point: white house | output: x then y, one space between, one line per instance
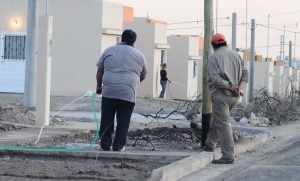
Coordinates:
263 76
287 80
152 41
183 70
278 80
81 31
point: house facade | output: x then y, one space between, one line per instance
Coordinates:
183 70
81 31
152 41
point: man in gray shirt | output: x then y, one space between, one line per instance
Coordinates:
227 77
120 69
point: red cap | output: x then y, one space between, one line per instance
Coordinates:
218 38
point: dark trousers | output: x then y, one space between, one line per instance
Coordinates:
109 108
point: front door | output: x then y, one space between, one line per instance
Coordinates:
12 62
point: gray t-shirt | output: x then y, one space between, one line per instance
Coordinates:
123 65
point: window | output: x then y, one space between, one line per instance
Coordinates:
14 47
163 56
195 70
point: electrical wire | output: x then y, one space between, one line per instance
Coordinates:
275 28
197 27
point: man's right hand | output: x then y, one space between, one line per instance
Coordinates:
236 90
99 90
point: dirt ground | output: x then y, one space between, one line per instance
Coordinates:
165 137
40 168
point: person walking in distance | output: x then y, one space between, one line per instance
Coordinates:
227 77
120 69
163 80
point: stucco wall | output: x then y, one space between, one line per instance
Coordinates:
112 15
287 73
108 41
145 43
200 73
11 10
178 66
278 80
76 45
263 76
191 81
160 33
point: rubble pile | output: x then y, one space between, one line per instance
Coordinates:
15 114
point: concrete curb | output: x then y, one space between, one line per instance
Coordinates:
181 168
160 157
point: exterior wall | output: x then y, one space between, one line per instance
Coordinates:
160 34
263 76
11 10
200 73
244 99
297 78
76 46
112 16
178 66
191 81
150 34
278 80
108 41
145 43
287 74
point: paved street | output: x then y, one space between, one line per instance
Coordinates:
278 160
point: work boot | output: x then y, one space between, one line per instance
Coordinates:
223 161
208 149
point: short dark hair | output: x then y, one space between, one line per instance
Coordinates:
129 37
216 46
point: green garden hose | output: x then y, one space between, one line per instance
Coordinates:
90 147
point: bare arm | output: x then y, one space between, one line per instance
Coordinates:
99 77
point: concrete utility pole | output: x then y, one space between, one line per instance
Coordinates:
268 39
290 53
206 104
31 50
295 38
233 40
283 43
246 25
251 95
281 47
217 11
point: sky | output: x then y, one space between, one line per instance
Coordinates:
282 13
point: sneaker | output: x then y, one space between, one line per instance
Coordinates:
208 149
121 150
223 161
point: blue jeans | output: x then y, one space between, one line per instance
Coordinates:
163 84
